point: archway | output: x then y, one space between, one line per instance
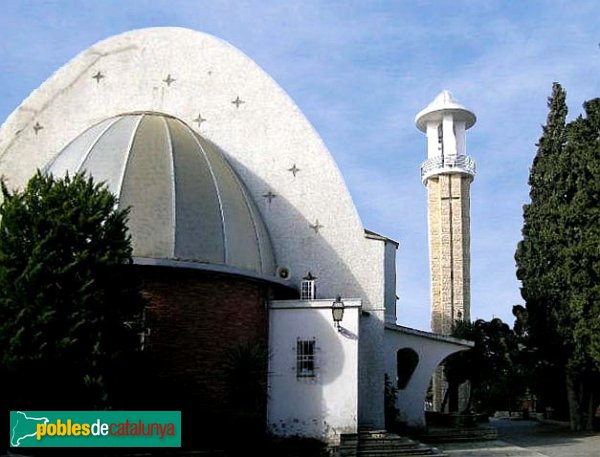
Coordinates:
407 360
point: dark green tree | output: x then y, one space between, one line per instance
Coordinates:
558 260
458 367
245 369
390 395
69 308
491 366
543 375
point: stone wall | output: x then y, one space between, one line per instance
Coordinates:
449 248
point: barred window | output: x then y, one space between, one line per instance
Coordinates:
305 358
308 287
307 291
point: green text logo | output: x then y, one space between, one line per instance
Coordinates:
95 428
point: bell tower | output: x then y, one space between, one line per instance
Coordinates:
447 173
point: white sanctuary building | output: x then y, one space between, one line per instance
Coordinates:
229 182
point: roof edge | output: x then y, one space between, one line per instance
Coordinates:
371 235
430 335
214 268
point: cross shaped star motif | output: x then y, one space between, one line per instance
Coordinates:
270 196
294 170
450 198
199 120
316 226
169 79
238 101
98 76
37 127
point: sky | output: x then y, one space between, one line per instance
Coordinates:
360 71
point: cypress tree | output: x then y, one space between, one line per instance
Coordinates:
558 260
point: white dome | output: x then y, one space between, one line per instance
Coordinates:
186 201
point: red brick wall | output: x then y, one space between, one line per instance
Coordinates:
194 317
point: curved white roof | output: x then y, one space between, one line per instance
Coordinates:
186 201
444 103
230 102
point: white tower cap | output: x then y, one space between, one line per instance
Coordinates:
444 103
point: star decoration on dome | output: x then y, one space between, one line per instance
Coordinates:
294 170
98 76
199 120
238 101
169 80
316 226
270 196
37 127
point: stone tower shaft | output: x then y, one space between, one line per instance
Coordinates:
447 173
449 240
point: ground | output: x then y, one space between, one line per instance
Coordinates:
530 439
516 439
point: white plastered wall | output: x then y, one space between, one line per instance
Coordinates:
326 405
432 349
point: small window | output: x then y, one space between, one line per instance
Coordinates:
308 289
305 358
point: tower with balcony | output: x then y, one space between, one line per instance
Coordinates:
447 173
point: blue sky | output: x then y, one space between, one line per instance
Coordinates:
360 71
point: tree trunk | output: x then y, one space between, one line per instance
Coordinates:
589 423
470 398
445 400
581 402
453 397
573 397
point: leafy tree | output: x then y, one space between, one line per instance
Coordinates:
458 367
491 366
558 260
245 366
68 304
543 376
390 395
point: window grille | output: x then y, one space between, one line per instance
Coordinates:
305 358
308 288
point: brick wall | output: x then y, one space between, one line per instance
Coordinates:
194 318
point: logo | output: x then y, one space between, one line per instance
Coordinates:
95 429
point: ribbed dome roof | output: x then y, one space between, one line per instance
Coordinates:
187 203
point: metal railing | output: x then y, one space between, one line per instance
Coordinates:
448 164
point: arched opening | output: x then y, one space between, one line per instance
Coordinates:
406 363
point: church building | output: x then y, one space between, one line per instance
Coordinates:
242 226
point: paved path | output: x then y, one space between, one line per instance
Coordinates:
530 439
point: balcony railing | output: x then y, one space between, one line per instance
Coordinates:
447 164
